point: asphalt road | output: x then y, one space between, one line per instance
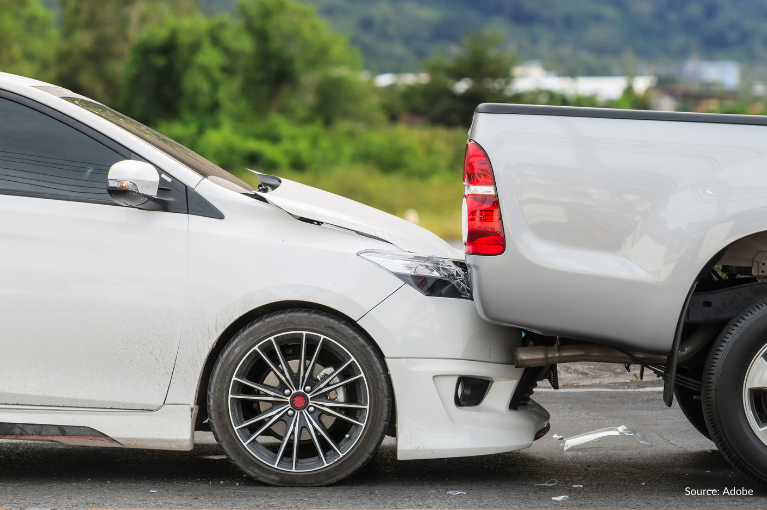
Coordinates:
616 472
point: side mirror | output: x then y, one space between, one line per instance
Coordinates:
132 183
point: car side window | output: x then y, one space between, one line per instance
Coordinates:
40 156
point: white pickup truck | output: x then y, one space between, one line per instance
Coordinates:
629 237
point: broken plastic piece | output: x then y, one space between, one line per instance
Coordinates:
455 493
213 457
548 483
152 491
577 485
580 439
558 437
559 498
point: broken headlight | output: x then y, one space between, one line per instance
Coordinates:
432 276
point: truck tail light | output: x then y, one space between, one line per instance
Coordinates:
482 226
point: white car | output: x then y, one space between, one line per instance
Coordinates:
146 293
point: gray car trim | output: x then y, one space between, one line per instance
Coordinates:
611 113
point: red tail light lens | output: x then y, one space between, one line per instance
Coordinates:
476 167
482 226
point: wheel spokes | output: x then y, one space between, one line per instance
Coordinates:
269 390
269 424
296 439
321 431
285 366
330 377
276 370
288 433
331 388
333 403
310 368
262 416
317 444
261 398
339 415
302 362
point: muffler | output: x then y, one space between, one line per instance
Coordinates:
540 356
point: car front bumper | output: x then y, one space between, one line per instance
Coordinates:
428 344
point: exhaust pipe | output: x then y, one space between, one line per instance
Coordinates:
540 356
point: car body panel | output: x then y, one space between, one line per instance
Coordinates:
91 303
430 425
312 203
429 343
408 326
609 221
166 428
261 255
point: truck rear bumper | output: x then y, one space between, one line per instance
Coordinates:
430 425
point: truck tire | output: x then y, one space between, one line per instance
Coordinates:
692 409
734 392
300 398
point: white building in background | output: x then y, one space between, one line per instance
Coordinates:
530 76
713 73
389 79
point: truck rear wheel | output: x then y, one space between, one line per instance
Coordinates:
734 392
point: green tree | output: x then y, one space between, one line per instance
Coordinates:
97 36
27 33
270 57
297 66
478 72
184 70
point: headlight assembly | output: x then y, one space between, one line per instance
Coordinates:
432 276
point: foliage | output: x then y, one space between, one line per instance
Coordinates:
477 72
97 36
27 33
268 57
584 37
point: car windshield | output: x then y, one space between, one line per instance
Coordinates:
172 148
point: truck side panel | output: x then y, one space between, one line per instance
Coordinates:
609 221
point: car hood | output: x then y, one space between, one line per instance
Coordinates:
317 205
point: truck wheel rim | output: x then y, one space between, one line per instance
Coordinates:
320 404
755 395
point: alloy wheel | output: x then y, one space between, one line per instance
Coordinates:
298 401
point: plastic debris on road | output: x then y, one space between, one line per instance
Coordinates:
559 498
455 493
558 437
594 435
152 491
213 457
577 485
547 483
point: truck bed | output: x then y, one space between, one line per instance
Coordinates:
609 216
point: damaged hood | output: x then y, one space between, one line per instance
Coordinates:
314 204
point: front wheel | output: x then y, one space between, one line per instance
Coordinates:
299 398
735 392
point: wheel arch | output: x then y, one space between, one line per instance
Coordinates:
242 321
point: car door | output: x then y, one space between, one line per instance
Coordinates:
91 293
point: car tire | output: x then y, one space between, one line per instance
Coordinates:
732 404
692 409
255 407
